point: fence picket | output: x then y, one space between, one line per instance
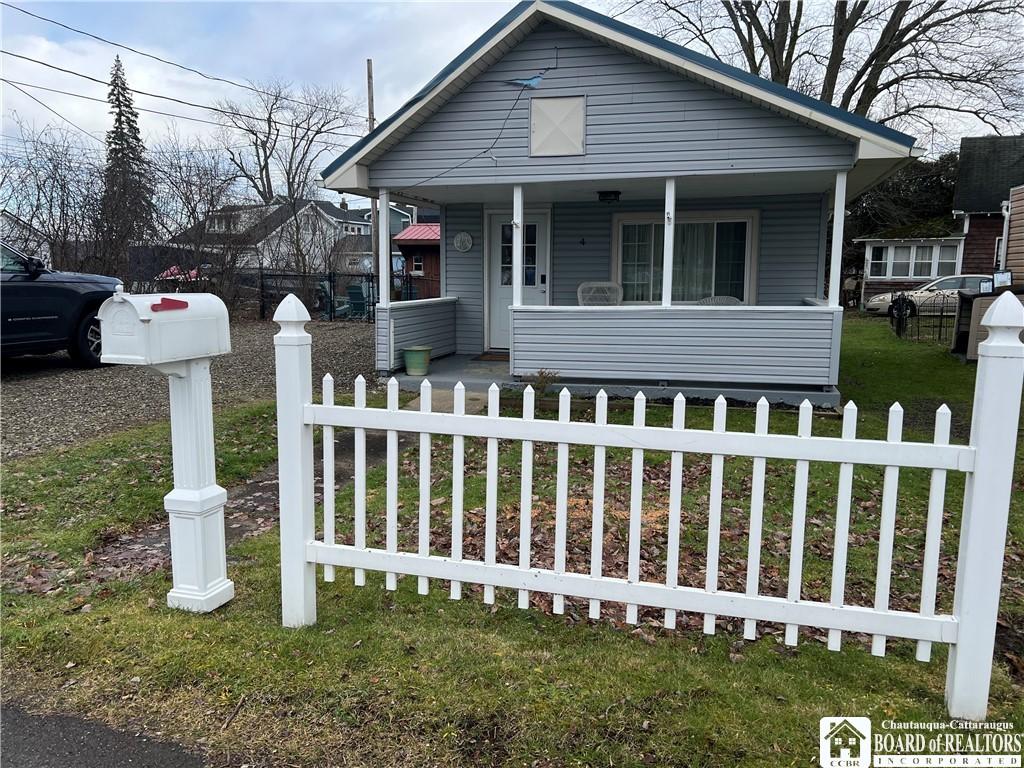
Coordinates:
597 514
933 531
986 463
636 502
675 501
844 495
561 499
714 513
458 468
526 497
796 549
359 480
887 527
424 517
328 399
491 497
756 516
391 513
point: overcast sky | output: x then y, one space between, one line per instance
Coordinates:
321 43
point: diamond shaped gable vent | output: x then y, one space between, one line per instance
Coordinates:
556 126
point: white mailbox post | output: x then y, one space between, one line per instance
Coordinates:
177 335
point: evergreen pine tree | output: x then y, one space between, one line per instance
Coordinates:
127 205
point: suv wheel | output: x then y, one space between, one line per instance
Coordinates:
85 346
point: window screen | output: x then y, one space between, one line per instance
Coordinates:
557 126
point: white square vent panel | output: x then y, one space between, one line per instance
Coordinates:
557 126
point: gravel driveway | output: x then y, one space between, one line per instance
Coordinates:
47 402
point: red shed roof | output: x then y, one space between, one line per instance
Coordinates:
419 233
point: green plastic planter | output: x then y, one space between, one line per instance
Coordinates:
417 360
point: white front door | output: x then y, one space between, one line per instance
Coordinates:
535 271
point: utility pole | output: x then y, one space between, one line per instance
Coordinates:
374 223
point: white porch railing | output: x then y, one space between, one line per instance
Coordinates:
987 463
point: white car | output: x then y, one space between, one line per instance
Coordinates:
938 296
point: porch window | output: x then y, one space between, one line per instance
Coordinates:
879 261
918 261
923 261
711 258
901 261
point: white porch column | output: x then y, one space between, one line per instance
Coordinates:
517 245
384 248
838 219
670 238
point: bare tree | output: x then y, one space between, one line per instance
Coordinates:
914 64
279 139
53 182
193 179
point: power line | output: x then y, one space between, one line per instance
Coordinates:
184 67
30 142
228 112
323 142
51 109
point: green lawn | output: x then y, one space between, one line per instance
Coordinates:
399 679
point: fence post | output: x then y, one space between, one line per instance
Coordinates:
997 394
294 371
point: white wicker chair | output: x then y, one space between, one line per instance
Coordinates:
719 301
599 294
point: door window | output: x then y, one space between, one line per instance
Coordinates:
529 255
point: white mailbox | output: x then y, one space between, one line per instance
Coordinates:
150 329
178 335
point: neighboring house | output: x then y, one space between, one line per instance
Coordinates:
989 167
24 237
590 151
353 254
284 235
902 258
1012 257
420 245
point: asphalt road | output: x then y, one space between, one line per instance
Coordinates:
56 741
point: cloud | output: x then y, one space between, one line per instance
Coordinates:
325 44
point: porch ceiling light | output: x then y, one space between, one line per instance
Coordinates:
609 196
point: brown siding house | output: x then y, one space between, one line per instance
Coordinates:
989 167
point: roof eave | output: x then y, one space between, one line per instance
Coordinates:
350 172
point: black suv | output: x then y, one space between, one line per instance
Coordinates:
45 311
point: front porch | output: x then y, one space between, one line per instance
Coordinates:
510 276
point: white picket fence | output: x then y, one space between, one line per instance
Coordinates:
987 463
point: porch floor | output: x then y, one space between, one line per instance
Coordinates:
477 375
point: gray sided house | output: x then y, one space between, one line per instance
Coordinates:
572 155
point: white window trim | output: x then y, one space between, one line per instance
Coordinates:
891 245
752 217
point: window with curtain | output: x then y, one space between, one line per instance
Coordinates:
710 258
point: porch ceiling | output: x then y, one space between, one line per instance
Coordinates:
718 185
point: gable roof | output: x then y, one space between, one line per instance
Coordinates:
277 214
989 166
419 233
527 15
939 228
